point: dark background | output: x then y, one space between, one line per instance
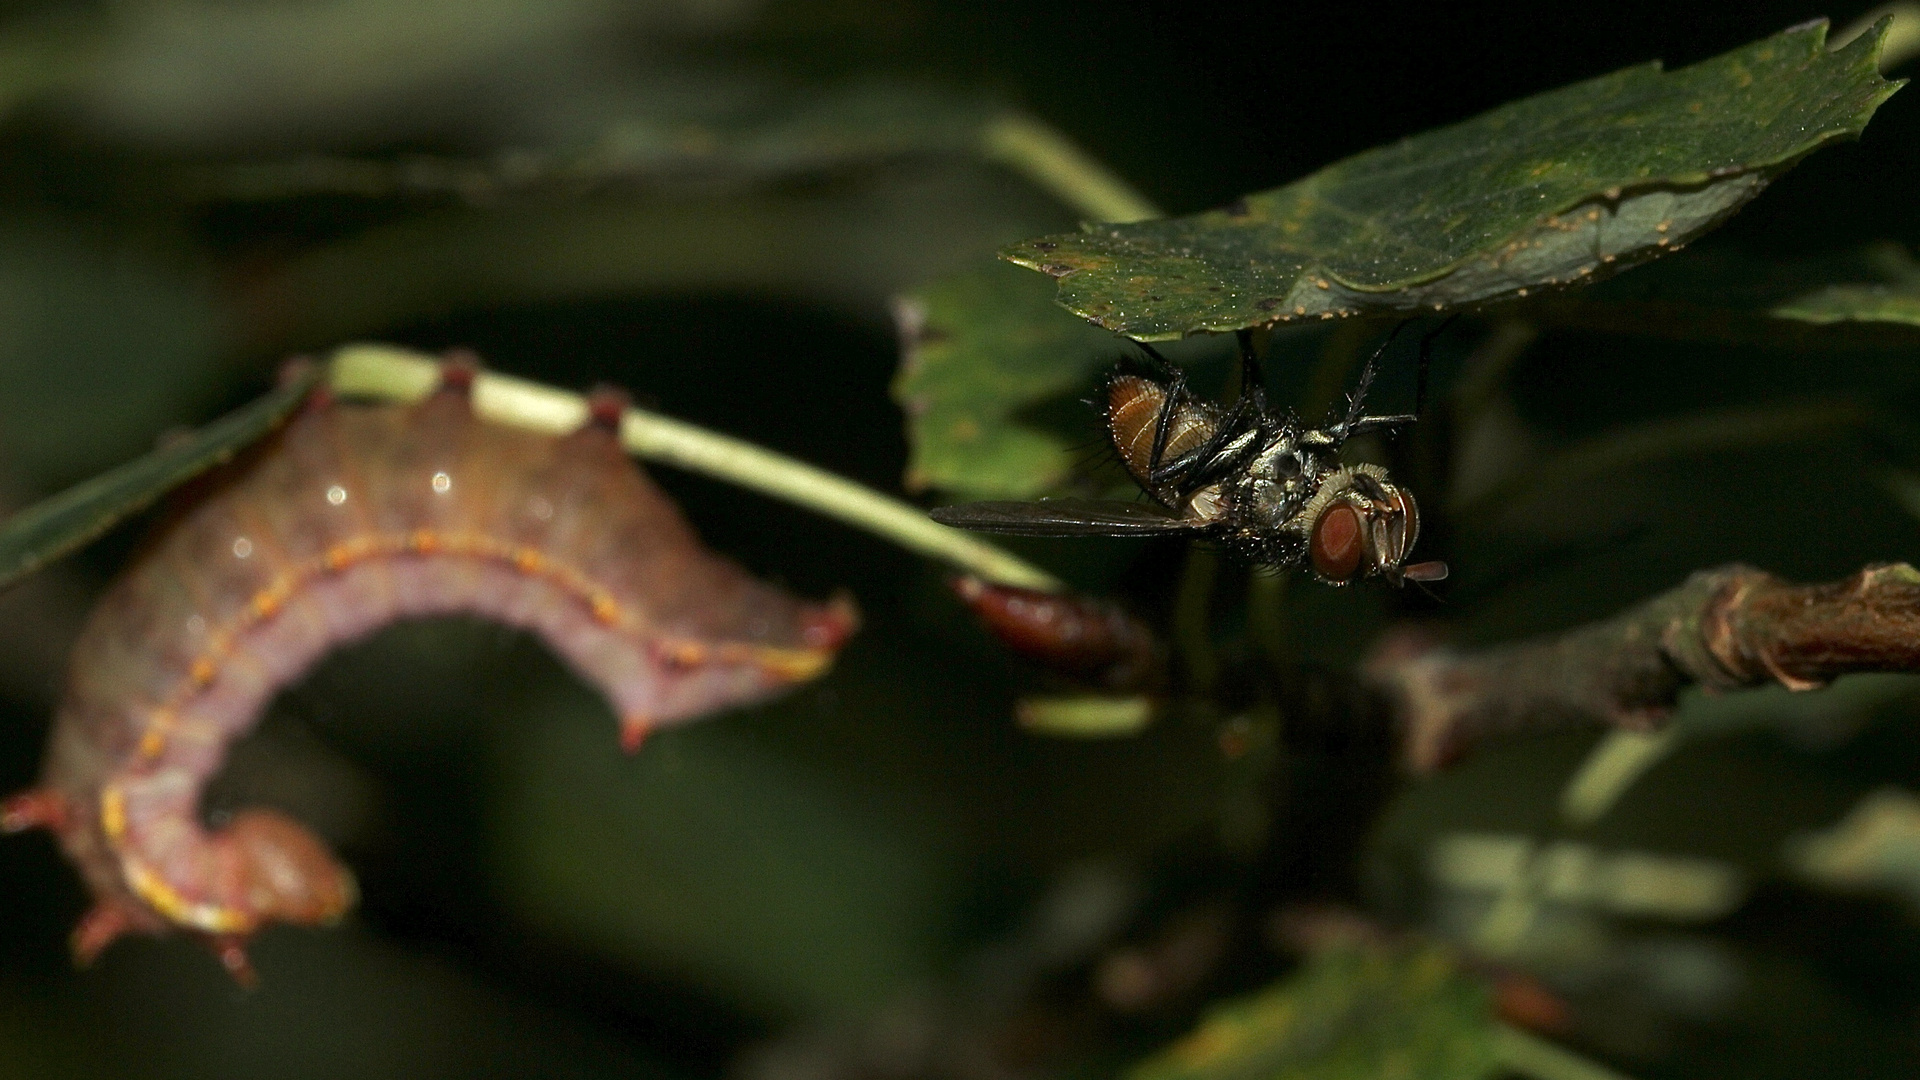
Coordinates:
535 903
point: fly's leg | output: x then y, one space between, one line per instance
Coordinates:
1176 392
1355 423
1237 434
1347 427
1253 383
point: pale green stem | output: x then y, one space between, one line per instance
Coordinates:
385 371
1511 916
1051 161
1530 1055
1614 764
1085 716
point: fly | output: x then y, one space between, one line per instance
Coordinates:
1244 474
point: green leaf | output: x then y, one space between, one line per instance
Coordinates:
1350 1013
66 522
978 347
1552 190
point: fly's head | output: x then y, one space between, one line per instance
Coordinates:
1359 524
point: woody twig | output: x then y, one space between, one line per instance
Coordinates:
1726 628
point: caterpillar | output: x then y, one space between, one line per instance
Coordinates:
350 517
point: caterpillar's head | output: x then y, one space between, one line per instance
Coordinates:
281 872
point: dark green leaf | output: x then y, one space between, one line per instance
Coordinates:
44 532
1350 1013
1552 190
978 347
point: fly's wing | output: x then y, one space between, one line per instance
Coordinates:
1062 517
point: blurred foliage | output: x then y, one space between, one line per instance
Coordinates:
685 130
979 346
611 854
1876 846
716 203
1353 1011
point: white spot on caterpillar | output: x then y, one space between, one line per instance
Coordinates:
196 625
442 483
242 547
336 494
540 508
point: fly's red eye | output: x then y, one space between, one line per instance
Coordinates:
1336 545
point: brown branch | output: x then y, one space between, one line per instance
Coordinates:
1725 628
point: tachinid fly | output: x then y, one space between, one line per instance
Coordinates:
1257 480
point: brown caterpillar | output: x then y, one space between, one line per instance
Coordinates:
350 517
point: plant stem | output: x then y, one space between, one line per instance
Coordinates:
385 371
1085 716
1726 628
1050 160
1611 767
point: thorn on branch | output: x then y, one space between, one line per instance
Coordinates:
1724 629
